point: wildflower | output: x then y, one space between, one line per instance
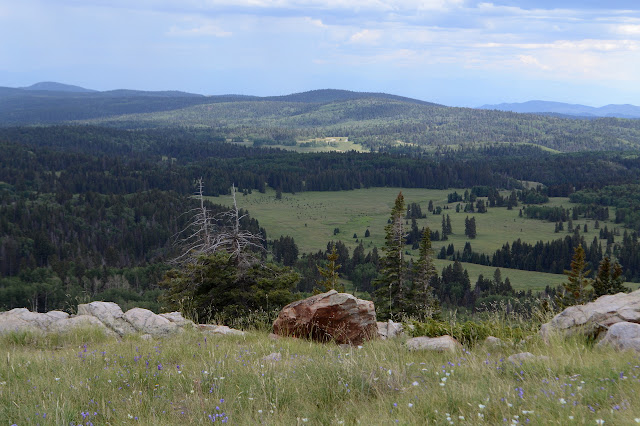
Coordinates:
480 416
260 411
409 405
527 411
481 406
415 383
57 379
562 401
599 421
570 417
461 417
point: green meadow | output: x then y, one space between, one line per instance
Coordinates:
312 217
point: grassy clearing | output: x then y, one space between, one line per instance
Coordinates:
329 144
195 379
311 217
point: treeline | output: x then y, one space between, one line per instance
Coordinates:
626 199
66 160
58 247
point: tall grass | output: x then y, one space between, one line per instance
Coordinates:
88 378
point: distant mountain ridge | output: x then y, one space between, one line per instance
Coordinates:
52 86
541 107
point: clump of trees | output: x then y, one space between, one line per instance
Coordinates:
401 291
221 272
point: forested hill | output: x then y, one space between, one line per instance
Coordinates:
378 121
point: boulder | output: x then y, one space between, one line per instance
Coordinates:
494 342
389 329
221 330
109 314
273 357
623 335
596 317
146 322
78 321
526 356
178 319
331 316
438 344
21 319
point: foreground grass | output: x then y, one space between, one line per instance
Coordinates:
86 378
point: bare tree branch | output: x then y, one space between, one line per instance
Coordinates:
207 234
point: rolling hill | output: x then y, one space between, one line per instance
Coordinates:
377 121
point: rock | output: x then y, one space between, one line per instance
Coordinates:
145 321
330 316
596 317
439 344
178 319
389 329
526 356
222 330
623 335
494 342
273 357
109 314
21 319
79 321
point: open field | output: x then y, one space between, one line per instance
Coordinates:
311 217
89 379
328 144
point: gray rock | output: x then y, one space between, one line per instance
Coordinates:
596 317
623 335
439 344
221 330
389 329
78 321
526 356
146 322
273 357
21 319
178 319
109 314
494 342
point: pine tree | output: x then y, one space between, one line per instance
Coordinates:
575 292
329 274
422 301
609 280
390 293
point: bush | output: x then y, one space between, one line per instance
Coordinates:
216 288
467 333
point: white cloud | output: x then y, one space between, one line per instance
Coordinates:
365 37
628 29
532 61
206 29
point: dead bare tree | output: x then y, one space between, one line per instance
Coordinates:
207 234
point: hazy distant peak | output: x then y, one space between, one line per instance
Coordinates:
52 86
533 107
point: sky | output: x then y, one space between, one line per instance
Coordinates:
453 52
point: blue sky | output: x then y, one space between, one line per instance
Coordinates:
454 52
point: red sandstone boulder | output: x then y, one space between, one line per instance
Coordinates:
330 316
